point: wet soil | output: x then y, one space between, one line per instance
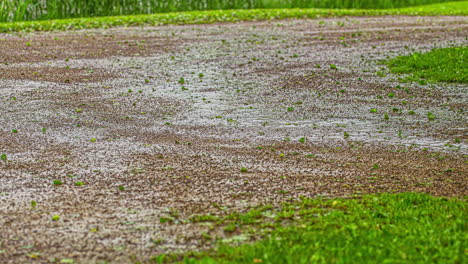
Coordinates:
51 74
159 121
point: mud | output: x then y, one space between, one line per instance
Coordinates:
61 75
159 121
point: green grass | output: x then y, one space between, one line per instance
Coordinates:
383 228
28 10
199 17
445 65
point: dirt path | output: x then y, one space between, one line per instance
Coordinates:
159 121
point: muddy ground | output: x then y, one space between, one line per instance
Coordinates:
158 120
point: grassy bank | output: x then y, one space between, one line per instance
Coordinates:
446 65
29 10
199 17
384 228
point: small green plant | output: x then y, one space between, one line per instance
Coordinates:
431 116
244 169
231 227
381 74
14 131
57 182
386 117
391 95
79 183
33 204
166 219
93 140
302 140
55 218
333 67
3 157
373 110
290 109
181 81
346 135
121 188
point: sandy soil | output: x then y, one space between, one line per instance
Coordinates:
159 120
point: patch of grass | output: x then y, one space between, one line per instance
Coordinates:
212 16
445 65
383 228
16 10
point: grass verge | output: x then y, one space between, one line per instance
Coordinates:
29 10
445 65
383 228
199 17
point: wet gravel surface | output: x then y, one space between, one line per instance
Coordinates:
141 123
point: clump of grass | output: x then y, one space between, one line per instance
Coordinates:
445 65
431 116
79 183
57 182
